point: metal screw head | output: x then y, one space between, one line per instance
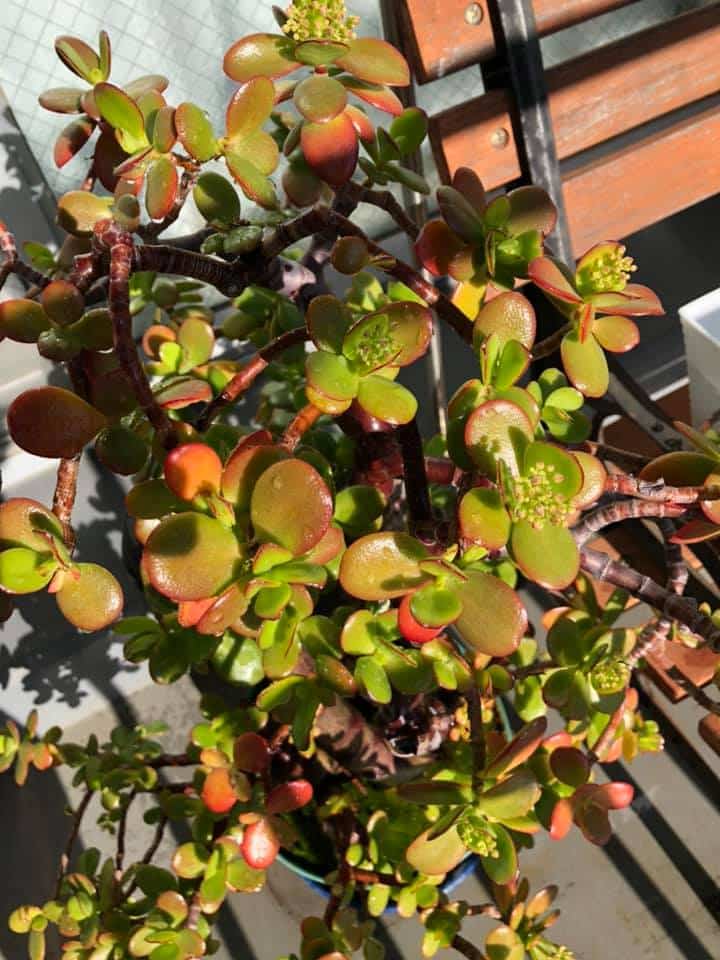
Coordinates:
474 14
500 138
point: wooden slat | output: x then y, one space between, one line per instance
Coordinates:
709 728
442 41
645 182
591 99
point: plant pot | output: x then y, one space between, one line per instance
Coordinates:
700 321
316 880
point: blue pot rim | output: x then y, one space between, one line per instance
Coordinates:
316 882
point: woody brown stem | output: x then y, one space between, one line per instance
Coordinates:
383 200
619 511
466 948
121 260
415 476
64 497
657 490
550 344
66 857
299 425
245 377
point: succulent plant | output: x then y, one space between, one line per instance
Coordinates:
353 591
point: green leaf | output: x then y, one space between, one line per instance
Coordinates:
494 620
162 185
90 597
503 943
23 320
123 114
259 55
435 606
376 61
291 505
502 868
409 130
373 679
585 364
548 556
80 58
238 660
319 98
255 185
216 199
565 474
511 798
483 518
388 401
195 132
357 507
436 855
79 210
381 566
497 430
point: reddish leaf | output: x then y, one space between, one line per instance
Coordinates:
411 629
377 95
260 844
331 149
218 793
561 819
90 597
51 422
191 612
249 107
289 796
436 247
192 470
183 392
251 753
376 61
71 140
362 123
546 273
259 55
162 186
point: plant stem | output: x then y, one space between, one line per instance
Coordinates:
384 200
657 490
244 379
466 948
550 344
415 476
621 510
682 609
623 458
78 814
122 828
299 425
64 497
121 259
607 737
477 732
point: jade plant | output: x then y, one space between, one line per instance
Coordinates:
350 592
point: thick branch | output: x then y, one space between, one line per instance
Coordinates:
466 948
550 344
383 200
608 735
621 510
416 484
299 425
657 490
64 497
121 258
67 852
682 609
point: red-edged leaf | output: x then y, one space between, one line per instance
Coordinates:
561 819
62 100
195 132
362 123
259 55
251 753
546 273
289 796
319 98
376 61
436 247
71 140
331 149
585 364
260 844
377 95
616 334
192 470
218 793
249 107
183 392
634 301
162 186
51 422
510 315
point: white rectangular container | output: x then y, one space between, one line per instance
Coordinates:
700 320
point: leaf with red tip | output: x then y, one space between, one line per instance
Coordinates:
522 746
62 100
510 315
469 184
381 566
23 320
218 793
320 98
531 209
680 468
21 521
52 422
497 430
331 149
162 186
635 300
436 247
193 469
248 461
259 55
289 796
123 114
291 505
410 627
362 123
547 274
377 95
613 796
260 844
90 597
376 61
251 753
79 57
561 819
191 612
493 620
570 765
616 334
71 140
183 392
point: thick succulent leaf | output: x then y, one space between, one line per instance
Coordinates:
255 185
259 55
197 340
547 274
291 505
510 316
25 571
469 184
164 134
503 943
331 148
483 518
21 519
493 621
192 470
319 53
376 61
548 556
436 247
195 132
121 450
79 211
362 123
151 500
436 855
522 746
162 186
594 477
190 556
123 114
570 765
249 108
328 320
62 99
23 320
90 597
502 868
260 844
435 606
681 468
634 300
566 474
469 295
242 470
399 332
497 430
381 566
216 199
512 364
409 130
52 422
386 400
80 58
376 94
320 98
585 364
183 392
460 215
71 140
616 334
531 209
511 798
331 376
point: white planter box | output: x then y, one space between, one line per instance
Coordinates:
700 320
